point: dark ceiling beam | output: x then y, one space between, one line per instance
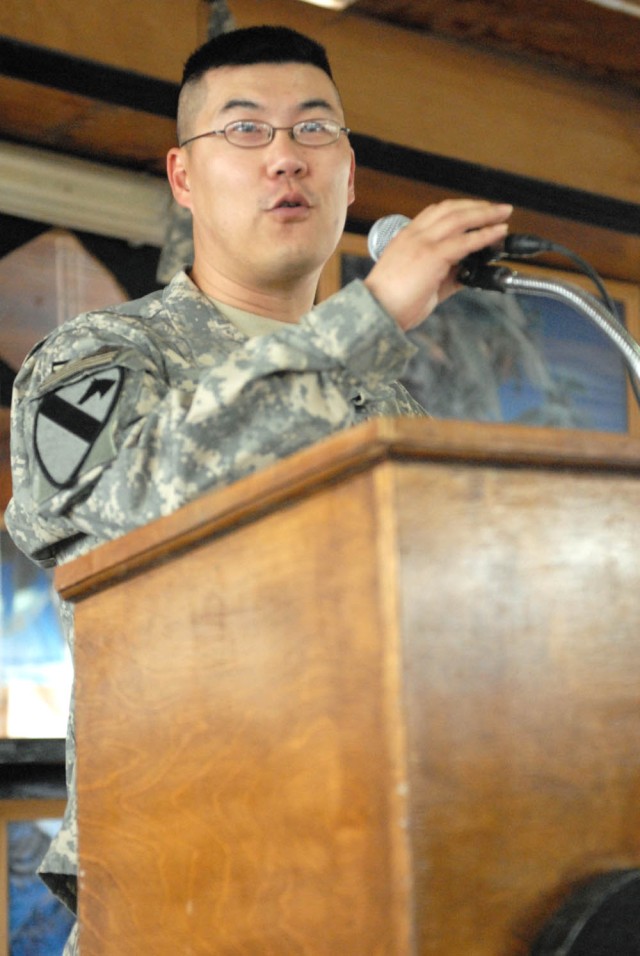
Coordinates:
109 84
495 184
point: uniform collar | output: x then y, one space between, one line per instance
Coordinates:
192 313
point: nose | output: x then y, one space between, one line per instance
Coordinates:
285 157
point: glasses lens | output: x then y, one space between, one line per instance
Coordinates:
248 133
316 132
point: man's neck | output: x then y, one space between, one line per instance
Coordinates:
287 302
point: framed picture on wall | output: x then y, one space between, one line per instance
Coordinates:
525 359
32 921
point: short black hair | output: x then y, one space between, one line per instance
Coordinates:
261 44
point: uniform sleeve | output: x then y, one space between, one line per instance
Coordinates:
103 442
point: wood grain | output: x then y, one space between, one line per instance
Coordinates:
522 665
572 34
78 125
394 715
243 792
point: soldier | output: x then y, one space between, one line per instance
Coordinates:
123 415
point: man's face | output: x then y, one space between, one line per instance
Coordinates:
275 213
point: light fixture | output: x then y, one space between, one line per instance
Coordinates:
631 7
331 4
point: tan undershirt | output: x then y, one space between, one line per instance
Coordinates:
247 322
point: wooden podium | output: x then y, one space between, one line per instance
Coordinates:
381 699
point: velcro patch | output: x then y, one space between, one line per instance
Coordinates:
69 421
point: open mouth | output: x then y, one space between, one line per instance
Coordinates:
292 202
291 209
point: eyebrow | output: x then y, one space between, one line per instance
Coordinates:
245 104
252 105
315 104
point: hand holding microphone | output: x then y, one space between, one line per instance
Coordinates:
384 230
420 262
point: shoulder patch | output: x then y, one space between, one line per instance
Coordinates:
69 421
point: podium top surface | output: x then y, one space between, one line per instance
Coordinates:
348 452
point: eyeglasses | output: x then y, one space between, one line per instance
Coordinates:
250 134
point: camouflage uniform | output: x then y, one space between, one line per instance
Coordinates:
123 415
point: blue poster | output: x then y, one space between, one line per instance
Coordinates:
39 924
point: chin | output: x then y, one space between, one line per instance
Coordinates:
295 262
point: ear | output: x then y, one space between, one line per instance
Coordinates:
178 176
351 195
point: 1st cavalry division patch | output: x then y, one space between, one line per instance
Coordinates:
69 421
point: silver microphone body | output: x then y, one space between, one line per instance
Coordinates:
382 232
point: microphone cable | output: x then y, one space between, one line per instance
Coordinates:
522 245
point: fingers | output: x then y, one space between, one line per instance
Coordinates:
457 210
464 224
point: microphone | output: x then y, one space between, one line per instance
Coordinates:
474 270
383 231
515 244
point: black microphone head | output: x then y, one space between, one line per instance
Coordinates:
383 231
